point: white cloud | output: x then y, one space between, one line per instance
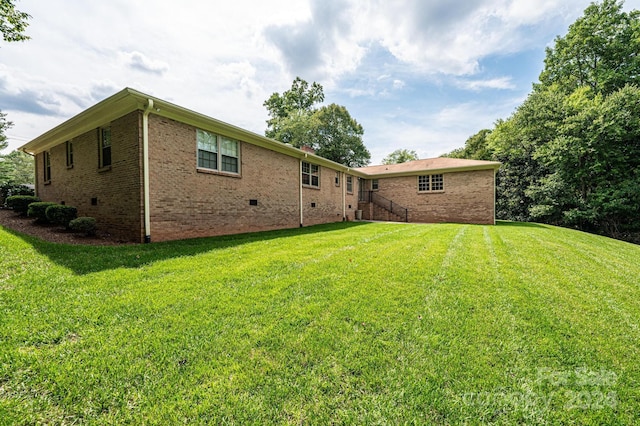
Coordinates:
141 62
225 58
500 83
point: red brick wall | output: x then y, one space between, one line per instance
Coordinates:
117 189
328 199
187 203
468 197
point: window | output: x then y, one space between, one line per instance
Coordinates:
217 152
310 174
69 148
47 166
105 147
337 178
430 183
350 184
375 185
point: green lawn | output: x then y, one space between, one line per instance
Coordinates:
341 324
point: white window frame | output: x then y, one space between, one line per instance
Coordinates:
349 184
310 171
220 146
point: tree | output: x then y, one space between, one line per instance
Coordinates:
329 130
400 156
475 148
292 110
600 51
19 168
4 125
338 137
13 23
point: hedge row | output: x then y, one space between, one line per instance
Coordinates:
20 203
48 212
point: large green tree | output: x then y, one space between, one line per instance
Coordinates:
400 156
571 151
600 51
13 24
330 130
475 147
17 168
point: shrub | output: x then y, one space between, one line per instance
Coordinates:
20 203
60 214
38 210
9 189
83 224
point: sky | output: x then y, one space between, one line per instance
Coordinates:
422 75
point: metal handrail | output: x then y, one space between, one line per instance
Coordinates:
385 203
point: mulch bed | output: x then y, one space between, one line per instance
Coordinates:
55 234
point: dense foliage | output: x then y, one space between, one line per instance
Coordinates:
329 130
61 215
13 23
20 203
571 151
400 156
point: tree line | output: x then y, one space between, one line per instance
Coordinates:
570 152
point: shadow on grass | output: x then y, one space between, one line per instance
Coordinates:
83 259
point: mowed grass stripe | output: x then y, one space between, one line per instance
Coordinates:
371 323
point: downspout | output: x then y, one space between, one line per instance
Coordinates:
145 168
300 187
344 196
495 174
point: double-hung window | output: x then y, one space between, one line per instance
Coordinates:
310 174
47 166
431 183
105 147
217 152
350 184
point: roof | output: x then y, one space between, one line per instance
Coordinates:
129 100
431 165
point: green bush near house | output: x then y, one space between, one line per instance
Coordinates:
38 210
61 214
20 203
10 189
87 225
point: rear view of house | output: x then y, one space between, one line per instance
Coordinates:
149 170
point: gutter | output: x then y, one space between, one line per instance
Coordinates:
145 170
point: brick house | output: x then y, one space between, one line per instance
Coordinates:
149 169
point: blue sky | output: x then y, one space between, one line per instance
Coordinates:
417 74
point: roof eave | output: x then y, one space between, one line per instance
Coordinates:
477 167
128 100
99 114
